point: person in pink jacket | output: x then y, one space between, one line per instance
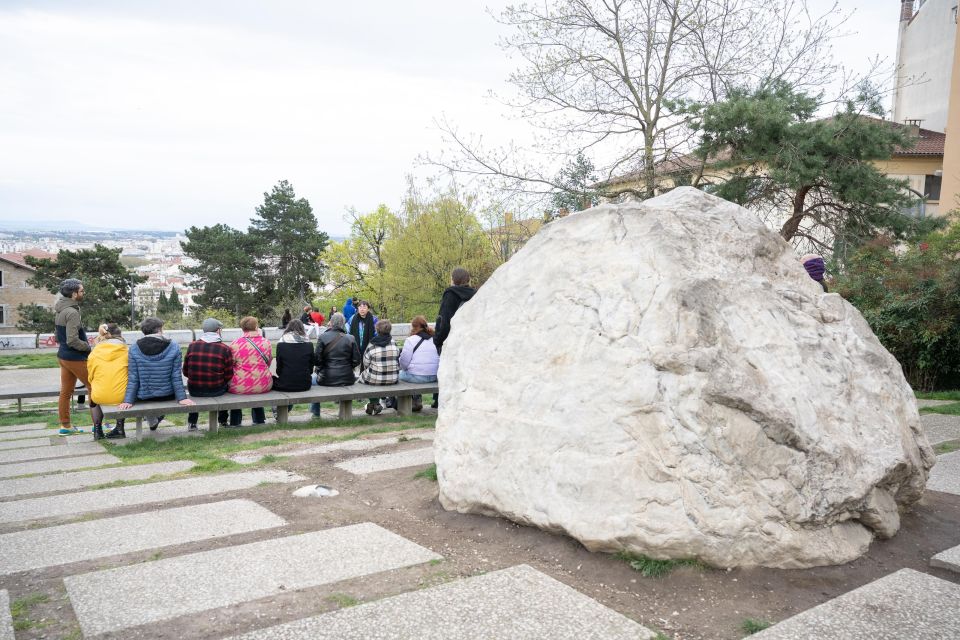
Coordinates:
252 354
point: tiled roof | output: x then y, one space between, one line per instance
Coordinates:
19 258
929 143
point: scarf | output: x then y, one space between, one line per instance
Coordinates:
292 337
211 336
381 340
815 268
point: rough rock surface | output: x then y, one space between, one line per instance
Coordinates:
666 379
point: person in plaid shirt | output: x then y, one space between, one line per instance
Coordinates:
381 363
208 367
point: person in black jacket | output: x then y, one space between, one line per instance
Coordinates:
453 298
295 359
363 326
336 357
285 320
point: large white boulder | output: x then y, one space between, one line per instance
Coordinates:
664 378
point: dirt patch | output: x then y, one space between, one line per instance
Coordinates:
686 604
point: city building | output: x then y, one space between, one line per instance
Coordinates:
14 291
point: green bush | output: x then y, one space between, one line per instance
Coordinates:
910 296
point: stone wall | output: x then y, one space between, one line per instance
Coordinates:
15 291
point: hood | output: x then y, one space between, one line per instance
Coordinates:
381 340
348 304
154 345
463 292
111 350
63 303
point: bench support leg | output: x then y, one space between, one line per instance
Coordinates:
212 424
19 405
139 428
405 405
283 414
346 409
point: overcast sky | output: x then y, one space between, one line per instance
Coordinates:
133 114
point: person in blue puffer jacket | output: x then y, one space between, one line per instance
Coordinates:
153 370
348 309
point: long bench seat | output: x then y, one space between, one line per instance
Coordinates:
19 393
403 391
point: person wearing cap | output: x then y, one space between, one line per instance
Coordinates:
208 367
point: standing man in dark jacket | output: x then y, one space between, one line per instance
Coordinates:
208 367
453 298
73 350
363 326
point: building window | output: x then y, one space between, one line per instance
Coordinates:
931 187
1 278
3 315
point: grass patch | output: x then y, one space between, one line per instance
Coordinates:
20 611
342 600
652 568
45 360
939 395
430 473
946 409
947 447
751 626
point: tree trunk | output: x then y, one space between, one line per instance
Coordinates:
792 225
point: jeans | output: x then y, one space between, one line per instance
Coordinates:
209 393
257 413
412 377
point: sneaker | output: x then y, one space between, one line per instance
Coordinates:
98 432
117 433
191 427
377 408
154 422
433 405
69 431
369 408
417 406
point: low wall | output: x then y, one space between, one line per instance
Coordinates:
48 341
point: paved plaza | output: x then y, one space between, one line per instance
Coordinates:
234 554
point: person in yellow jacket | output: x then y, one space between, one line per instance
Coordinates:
107 373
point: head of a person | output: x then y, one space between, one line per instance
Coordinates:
295 326
286 312
383 327
460 277
354 301
114 330
151 326
211 325
72 288
249 324
307 309
337 322
363 308
103 331
419 325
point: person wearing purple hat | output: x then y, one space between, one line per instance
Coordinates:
815 269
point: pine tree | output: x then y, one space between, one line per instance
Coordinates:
173 302
162 303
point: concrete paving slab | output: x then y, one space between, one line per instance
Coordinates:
156 591
358 444
27 443
79 541
23 427
945 475
81 479
905 604
949 559
42 453
55 465
27 433
387 461
6 620
103 499
519 602
940 428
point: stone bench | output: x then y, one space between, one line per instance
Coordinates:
403 391
19 394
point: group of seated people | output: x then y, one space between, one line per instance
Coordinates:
153 368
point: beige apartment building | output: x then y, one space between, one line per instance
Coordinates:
15 291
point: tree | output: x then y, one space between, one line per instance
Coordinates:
910 296
613 77
162 303
813 177
286 229
357 264
107 284
577 179
226 269
35 319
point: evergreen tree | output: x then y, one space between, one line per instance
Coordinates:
35 319
162 303
173 302
286 231
108 285
227 271
576 178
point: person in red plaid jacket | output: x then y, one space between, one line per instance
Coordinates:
208 367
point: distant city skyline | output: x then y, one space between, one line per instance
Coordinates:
159 116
